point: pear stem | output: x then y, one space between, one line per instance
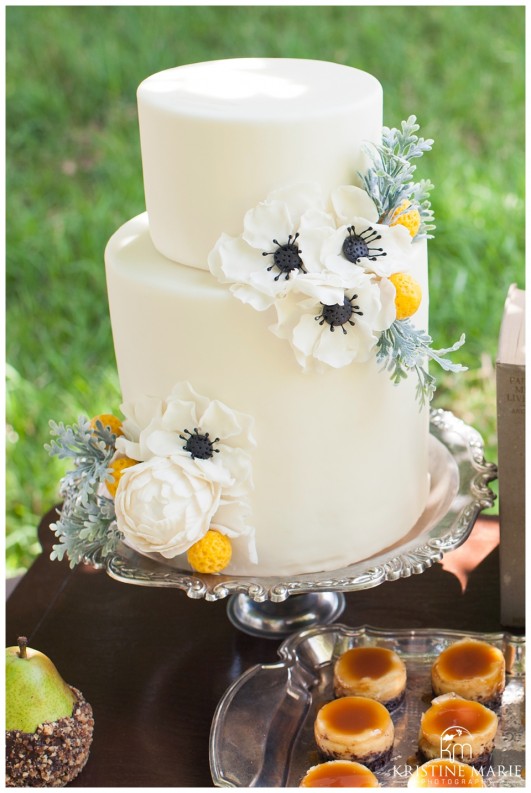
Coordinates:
22 644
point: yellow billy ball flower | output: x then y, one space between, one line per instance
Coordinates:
408 294
410 219
117 467
211 553
110 422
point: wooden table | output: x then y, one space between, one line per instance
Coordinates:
154 663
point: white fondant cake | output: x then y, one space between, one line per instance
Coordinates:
337 465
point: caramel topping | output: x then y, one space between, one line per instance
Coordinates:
447 773
465 660
462 713
351 715
361 662
339 773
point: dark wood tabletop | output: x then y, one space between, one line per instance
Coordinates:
154 663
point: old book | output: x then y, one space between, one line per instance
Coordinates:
510 398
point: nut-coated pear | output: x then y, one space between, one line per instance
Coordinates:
35 691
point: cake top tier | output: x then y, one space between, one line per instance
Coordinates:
218 137
259 89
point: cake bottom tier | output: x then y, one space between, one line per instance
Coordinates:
340 466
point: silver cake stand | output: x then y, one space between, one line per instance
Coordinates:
260 606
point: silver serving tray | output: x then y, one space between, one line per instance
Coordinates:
262 731
459 491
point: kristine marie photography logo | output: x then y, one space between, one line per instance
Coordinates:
456 747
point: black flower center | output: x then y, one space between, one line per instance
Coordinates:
339 315
199 445
286 258
358 246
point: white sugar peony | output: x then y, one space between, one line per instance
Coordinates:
195 473
164 507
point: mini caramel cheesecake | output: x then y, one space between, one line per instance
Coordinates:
445 773
374 672
473 669
355 728
339 773
458 729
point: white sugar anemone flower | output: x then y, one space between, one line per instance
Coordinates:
339 322
207 434
232 518
359 240
281 240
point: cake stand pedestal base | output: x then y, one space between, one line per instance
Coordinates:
271 620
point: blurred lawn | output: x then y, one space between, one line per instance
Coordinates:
74 175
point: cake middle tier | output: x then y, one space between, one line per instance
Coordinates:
340 466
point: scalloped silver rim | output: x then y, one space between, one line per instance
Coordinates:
472 497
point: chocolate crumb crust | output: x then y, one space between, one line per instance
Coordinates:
494 703
377 760
394 704
478 762
374 761
54 754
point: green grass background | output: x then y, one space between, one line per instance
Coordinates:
74 175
